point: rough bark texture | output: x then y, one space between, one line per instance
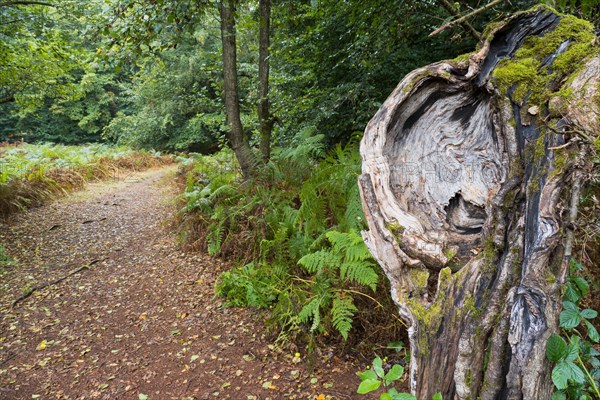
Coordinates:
266 120
237 138
467 173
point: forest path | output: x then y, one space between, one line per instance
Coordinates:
141 321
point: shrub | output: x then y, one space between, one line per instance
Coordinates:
295 232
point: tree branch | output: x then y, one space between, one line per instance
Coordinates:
465 17
26 3
7 99
466 26
54 282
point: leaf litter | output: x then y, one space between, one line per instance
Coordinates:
142 322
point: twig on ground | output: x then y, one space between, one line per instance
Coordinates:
54 282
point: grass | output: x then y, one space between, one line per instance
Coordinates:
33 174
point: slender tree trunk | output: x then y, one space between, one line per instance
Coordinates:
238 140
264 114
467 174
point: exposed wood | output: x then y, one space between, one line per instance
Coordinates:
465 17
464 195
572 215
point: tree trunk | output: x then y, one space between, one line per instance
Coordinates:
467 169
237 138
265 118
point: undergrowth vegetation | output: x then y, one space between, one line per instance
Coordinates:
295 232
31 174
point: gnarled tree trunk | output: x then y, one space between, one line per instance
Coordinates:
468 171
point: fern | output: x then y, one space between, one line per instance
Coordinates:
215 238
354 216
342 311
311 311
303 217
361 273
315 263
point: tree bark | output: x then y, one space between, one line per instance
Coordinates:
237 138
265 118
465 182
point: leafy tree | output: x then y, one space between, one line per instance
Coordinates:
175 99
58 93
37 52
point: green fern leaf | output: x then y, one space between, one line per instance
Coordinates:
342 312
311 310
361 272
317 261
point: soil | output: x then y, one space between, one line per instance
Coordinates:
141 320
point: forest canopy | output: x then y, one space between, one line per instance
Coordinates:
151 75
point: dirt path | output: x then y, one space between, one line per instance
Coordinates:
142 320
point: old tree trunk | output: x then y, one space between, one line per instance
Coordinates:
471 170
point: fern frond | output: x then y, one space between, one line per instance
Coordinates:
361 273
311 310
223 192
215 238
354 216
342 311
340 240
316 262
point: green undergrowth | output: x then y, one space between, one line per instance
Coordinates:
576 370
295 233
32 174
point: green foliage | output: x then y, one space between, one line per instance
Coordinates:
38 55
347 262
373 378
51 87
176 98
333 65
32 174
296 228
586 9
577 370
5 259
